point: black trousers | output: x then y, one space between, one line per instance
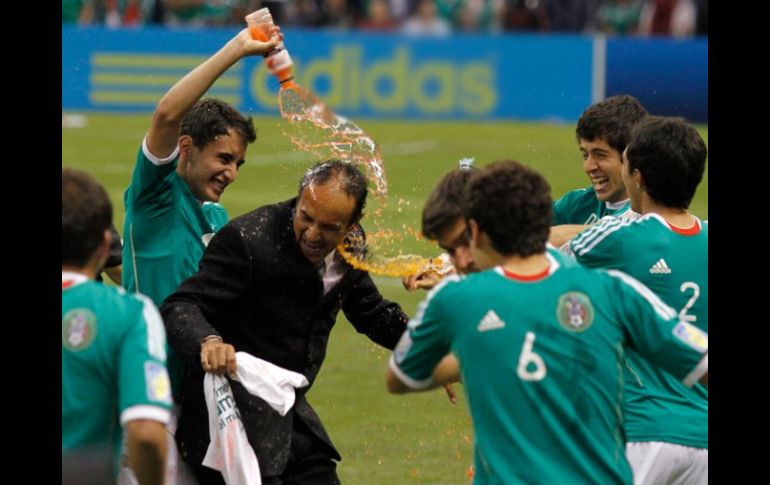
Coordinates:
310 463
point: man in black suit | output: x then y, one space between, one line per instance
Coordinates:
271 284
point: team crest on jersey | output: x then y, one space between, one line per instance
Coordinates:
692 336
575 311
78 329
157 382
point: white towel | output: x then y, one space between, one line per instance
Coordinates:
230 452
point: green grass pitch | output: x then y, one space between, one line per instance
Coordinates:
385 439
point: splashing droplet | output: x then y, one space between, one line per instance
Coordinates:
314 128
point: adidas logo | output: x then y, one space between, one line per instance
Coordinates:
490 322
660 267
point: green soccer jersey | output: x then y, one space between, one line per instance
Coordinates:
166 229
113 361
582 207
674 264
560 257
541 362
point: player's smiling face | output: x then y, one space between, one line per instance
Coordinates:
603 165
211 169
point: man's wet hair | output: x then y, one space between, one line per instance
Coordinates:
351 179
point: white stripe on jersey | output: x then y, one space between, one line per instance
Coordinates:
417 318
133 256
145 411
156 160
411 383
554 265
156 332
700 369
587 240
75 278
657 304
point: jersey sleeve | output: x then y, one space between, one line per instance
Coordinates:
561 208
426 341
600 246
215 214
148 180
655 331
144 389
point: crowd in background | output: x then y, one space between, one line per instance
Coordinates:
678 18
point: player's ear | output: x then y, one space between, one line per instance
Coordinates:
185 146
638 178
475 231
103 249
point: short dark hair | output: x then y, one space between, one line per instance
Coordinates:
511 204
611 120
351 179
444 205
209 118
671 156
86 212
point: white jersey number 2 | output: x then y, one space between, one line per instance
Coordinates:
689 285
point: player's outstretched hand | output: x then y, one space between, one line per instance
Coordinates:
425 281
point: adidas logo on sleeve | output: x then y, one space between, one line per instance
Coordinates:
660 267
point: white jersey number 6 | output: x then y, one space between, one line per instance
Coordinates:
529 358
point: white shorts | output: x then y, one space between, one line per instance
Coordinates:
654 462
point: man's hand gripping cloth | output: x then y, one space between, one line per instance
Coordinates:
230 452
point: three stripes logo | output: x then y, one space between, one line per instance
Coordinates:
490 322
137 80
660 267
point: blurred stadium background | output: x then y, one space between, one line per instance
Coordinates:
502 79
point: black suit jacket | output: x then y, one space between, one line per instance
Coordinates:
256 289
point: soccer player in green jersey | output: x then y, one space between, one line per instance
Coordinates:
113 353
191 153
540 345
602 132
443 222
667 250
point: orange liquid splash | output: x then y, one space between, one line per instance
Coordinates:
314 128
396 266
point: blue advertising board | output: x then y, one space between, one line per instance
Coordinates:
522 76
669 76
